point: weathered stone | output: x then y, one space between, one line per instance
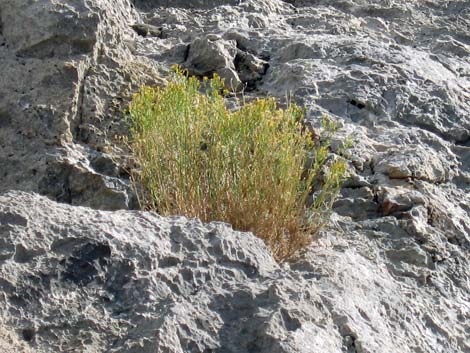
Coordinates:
415 162
56 58
133 281
212 54
145 30
390 274
393 200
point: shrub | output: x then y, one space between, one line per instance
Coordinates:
245 167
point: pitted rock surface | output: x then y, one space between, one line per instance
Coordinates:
66 69
389 275
77 279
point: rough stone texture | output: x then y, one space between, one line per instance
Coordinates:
390 276
76 279
67 67
213 55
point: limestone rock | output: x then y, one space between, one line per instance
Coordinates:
212 54
128 281
391 274
67 72
415 162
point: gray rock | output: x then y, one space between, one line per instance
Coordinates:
212 54
415 162
67 74
390 275
145 30
135 282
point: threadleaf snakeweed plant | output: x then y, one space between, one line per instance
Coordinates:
246 167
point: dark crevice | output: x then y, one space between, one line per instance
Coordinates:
146 5
371 167
430 220
464 143
349 342
83 266
145 30
28 334
186 53
56 183
354 187
249 76
240 46
77 133
357 104
455 241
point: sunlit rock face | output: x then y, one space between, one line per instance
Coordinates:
389 275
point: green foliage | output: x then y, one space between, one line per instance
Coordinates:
244 167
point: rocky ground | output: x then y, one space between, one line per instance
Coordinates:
389 275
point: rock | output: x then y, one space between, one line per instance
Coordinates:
45 30
390 274
77 183
414 162
250 68
210 55
392 200
67 75
134 281
168 283
145 30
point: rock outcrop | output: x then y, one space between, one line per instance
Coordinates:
67 67
77 279
390 275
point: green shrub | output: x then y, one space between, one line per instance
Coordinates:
244 167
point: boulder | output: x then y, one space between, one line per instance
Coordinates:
74 278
